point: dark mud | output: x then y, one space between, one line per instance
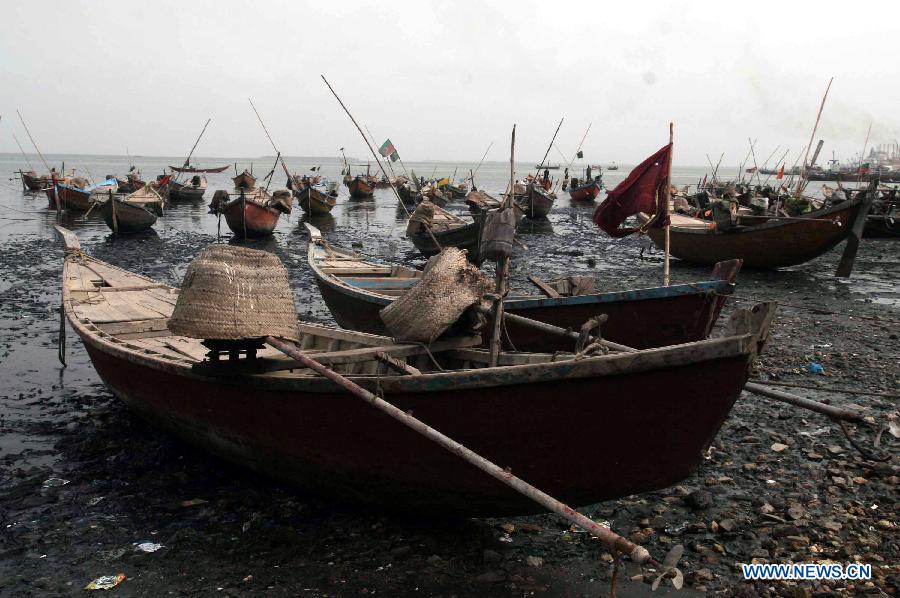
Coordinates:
778 485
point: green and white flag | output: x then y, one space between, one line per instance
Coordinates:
387 149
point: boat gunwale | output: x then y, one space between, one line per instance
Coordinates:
478 378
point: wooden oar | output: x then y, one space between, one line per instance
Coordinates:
639 554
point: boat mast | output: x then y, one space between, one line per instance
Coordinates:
803 173
187 161
47 166
503 264
547 153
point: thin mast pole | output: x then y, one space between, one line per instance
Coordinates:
283 165
666 194
24 155
547 153
374 155
47 166
755 166
187 161
803 173
480 162
862 157
503 264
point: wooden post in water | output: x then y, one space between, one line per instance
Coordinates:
845 267
503 264
112 206
665 199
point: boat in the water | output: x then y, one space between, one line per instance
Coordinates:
587 191
251 214
77 194
126 217
431 228
317 198
244 180
266 411
535 202
356 288
191 190
361 187
195 170
775 243
32 181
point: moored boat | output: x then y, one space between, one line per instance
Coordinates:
431 228
272 415
34 182
535 201
245 180
585 192
252 214
187 191
315 199
361 187
125 217
355 289
776 243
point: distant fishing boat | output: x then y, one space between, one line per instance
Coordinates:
317 199
253 214
188 191
193 169
245 180
361 187
776 243
34 182
125 217
547 166
613 166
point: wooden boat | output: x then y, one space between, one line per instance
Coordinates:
34 182
773 244
408 195
273 416
585 192
245 180
194 170
71 197
881 226
446 230
147 197
355 289
251 215
315 199
361 187
188 191
535 202
125 217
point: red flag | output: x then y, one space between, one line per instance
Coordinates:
780 172
637 193
165 180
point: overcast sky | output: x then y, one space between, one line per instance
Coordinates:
444 79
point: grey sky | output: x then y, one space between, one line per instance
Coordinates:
443 79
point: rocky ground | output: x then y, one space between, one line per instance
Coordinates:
87 489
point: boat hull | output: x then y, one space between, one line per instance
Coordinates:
248 219
326 441
535 203
463 237
360 188
33 182
587 192
128 218
314 202
69 198
774 244
881 227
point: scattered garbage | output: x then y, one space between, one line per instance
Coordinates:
193 502
814 367
107 582
54 482
534 561
147 546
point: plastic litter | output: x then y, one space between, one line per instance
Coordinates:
54 482
147 546
814 368
107 582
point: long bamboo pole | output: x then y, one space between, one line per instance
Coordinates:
755 166
803 172
47 166
24 155
547 153
287 172
375 155
503 264
638 554
187 161
665 199
862 157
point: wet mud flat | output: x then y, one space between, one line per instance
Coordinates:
86 488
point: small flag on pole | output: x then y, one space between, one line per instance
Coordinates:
580 154
387 148
780 173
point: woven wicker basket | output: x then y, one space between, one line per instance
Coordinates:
233 293
450 285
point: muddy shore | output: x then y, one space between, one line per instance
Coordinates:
83 482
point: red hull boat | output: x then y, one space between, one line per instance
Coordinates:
588 192
284 421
